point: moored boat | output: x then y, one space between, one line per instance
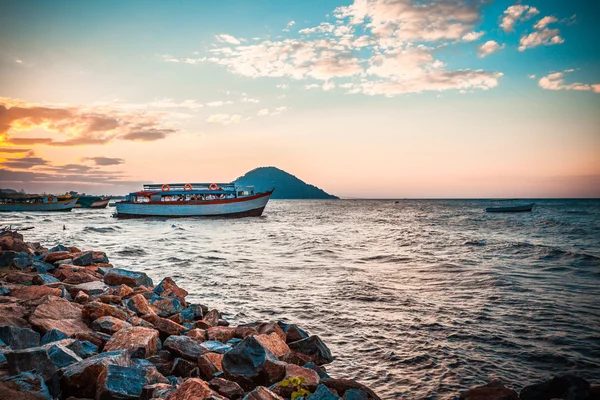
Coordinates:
25 202
86 201
193 200
512 208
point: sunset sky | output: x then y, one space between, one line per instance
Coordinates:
363 98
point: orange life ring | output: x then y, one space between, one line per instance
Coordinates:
213 186
188 186
165 188
50 198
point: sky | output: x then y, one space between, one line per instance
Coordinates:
363 98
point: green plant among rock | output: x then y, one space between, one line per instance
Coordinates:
296 383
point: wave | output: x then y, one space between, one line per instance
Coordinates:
107 229
481 242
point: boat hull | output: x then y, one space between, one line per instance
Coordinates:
252 206
523 208
62 205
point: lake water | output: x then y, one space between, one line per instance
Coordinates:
418 299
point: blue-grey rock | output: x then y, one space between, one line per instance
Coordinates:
318 369
4 291
192 313
215 347
174 380
120 382
323 393
184 347
292 332
34 359
58 247
234 342
88 349
313 347
250 364
83 259
43 267
19 338
6 258
53 335
61 356
166 306
44 279
68 261
117 276
22 261
64 293
104 270
29 382
355 394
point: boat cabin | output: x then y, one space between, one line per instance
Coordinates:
189 192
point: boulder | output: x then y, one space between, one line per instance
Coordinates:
193 312
15 244
274 343
30 385
168 306
59 247
267 328
43 267
26 293
320 370
139 342
184 368
262 393
81 298
191 389
243 331
98 339
216 347
95 309
211 318
109 325
167 287
163 361
323 393
83 258
93 288
492 391
61 355
22 261
99 257
19 338
81 379
559 387
44 279
19 277
156 391
150 371
13 315
184 347
74 277
58 313
220 333
250 363
342 385
210 364
226 388
355 394
120 382
293 332
35 359
198 335
118 276
314 348
53 335
123 291
310 377
165 327
139 304
55 256
6 258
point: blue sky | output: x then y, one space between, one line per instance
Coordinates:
461 98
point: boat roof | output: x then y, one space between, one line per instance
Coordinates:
158 186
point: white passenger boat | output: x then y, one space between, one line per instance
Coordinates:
193 200
25 202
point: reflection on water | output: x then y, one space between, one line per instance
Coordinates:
417 299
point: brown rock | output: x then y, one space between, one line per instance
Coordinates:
176 318
262 393
19 277
220 333
73 249
211 318
81 298
197 334
139 305
492 391
167 287
57 256
110 299
8 242
109 325
229 389
10 391
243 331
165 327
34 292
123 291
140 342
209 364
95 309
100 257
58 313
191 389
137 321
310 376
156 391
13 315
271 327
341 385
77 277
97 338
184 368
274 343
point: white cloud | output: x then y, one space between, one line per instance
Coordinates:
544 22
489 47
290 24
283 86
328 86
472 36
547 37
246 99
224 119
556 81
277 110
225 38
517 13
311 86
263 112
531 76
219 103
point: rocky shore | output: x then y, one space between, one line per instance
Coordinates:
74 327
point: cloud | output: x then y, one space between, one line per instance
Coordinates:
227 39
544 22
556 81
246 99
329 85
219 103
283 86
78 125
263 112
517 13
104 161
472 36
547 37
224 119
489 47
11 150
277 110
311 86
23 162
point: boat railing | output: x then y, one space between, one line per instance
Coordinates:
182 186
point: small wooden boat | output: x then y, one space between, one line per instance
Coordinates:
511 209
25 202
92 202
193 200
